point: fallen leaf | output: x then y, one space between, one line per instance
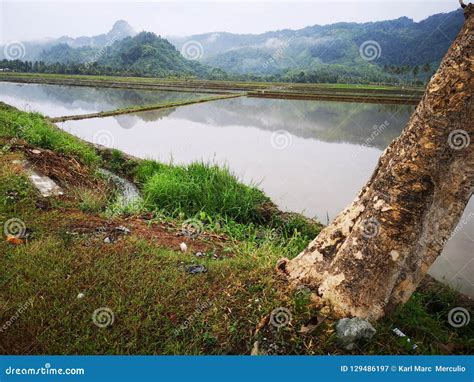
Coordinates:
264 321
14 240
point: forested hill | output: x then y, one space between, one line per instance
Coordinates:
144 54
149 54
399 42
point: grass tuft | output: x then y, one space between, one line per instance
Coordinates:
200 187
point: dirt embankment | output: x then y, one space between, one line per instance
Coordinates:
75 178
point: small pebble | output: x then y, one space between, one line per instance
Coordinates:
81 295
196 268
123 230
183 247
107 240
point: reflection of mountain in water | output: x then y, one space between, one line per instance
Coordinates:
368 124
127 121
99 99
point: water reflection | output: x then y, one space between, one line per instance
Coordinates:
56 100
331 151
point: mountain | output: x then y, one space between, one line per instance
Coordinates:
147 54
34 50
351 46
120 30
144 54
392 51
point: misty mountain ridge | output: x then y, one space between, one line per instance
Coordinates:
399 42
384 51
34 49
120 30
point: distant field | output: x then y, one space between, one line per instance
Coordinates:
336 92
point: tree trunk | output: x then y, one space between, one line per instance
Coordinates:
375 253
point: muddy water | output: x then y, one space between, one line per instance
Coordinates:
57 101
308 156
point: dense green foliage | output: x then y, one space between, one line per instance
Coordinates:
148 54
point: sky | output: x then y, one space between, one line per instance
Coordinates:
24 20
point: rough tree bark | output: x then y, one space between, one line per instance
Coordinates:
375 253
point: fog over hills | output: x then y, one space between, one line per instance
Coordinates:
396 42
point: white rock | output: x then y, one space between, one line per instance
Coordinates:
183 247
81 295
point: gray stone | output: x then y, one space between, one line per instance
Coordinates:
352 330
123 230
195 269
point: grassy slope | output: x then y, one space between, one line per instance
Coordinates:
159 308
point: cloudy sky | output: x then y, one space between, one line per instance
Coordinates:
23 20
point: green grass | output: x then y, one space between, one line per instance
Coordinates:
218 200
37 131
200 187
94 201
159 308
